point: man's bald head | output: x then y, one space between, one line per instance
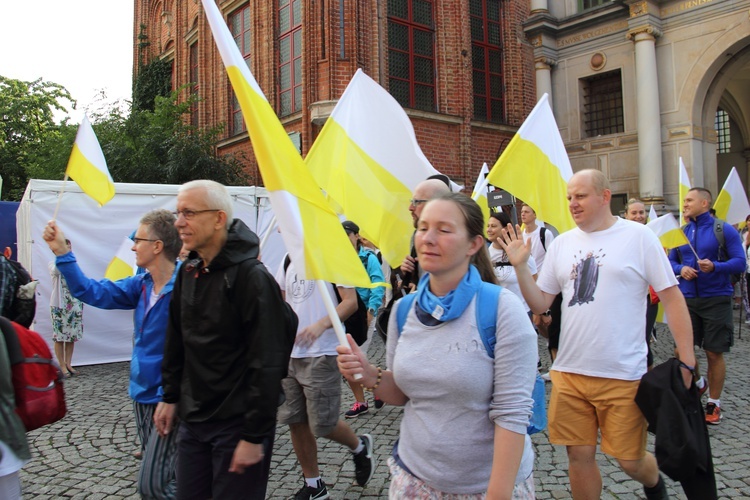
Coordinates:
425 191
597 179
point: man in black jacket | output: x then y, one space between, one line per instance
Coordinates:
224 355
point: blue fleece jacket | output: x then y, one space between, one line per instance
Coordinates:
372 297
150 327
700 233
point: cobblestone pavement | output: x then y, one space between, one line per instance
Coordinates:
89 453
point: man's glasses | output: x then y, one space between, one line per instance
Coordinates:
138 240
415 202
190 214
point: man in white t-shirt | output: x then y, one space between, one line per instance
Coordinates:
313 383
602 353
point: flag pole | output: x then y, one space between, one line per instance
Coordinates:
59 197
335 320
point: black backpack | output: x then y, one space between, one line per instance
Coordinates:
356 324
290 319
23 306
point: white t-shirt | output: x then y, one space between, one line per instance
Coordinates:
603 277
305 299
506 275
539 251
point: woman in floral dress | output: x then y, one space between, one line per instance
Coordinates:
67 319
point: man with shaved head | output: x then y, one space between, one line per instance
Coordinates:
424 192
707 286
603 268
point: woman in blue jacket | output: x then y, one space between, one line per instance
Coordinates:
156 246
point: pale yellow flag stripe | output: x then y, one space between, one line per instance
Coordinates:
368 161
668 231
535 167
87 166
312 233
122 264
684 187
731 205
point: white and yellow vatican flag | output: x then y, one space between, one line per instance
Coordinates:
367 160
652 215
480 192
731 205
535 167
668 231
312 232
122 264
685 186
87 166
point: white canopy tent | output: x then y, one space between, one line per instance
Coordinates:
96 233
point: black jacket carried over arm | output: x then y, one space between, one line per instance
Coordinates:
675 416
225 352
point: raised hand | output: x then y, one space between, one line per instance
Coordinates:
511 241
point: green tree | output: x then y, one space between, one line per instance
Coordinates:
26 121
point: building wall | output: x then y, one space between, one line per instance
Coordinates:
700 49
455 143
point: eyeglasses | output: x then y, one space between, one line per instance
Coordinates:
190 214
415 202
138 240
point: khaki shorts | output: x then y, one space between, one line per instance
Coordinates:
313 394
580 406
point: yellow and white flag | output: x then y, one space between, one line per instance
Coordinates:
312 233
535 167
685 186
480 192
367 160
731 205
652 215
88 167
668 231
122 264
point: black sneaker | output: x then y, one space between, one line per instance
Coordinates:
364 461
658 492
310 493
379 403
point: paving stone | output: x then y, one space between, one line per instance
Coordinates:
89 453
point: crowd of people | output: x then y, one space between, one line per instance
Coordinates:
211 377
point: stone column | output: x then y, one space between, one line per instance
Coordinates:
650 172
538 6
543 68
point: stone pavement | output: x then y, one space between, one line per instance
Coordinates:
89 453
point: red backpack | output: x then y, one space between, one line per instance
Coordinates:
37 381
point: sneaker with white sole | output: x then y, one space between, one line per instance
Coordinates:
309 493
364 461
713 414
356 410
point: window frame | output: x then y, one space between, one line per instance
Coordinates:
292 36
237 123
487 48
193 76
413 26
603 114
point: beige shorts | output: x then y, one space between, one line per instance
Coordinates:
313 394
580 406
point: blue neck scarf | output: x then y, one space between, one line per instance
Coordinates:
452 305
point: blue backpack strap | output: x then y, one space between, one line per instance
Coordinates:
402 311
486 308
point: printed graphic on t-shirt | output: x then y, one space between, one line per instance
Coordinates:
301 289
585 276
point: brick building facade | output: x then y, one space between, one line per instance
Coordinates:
462 69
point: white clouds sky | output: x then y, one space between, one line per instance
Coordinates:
84 45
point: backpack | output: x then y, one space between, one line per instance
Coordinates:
356 324
542 231
290 320
722 253
486 311
37 380
23 305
